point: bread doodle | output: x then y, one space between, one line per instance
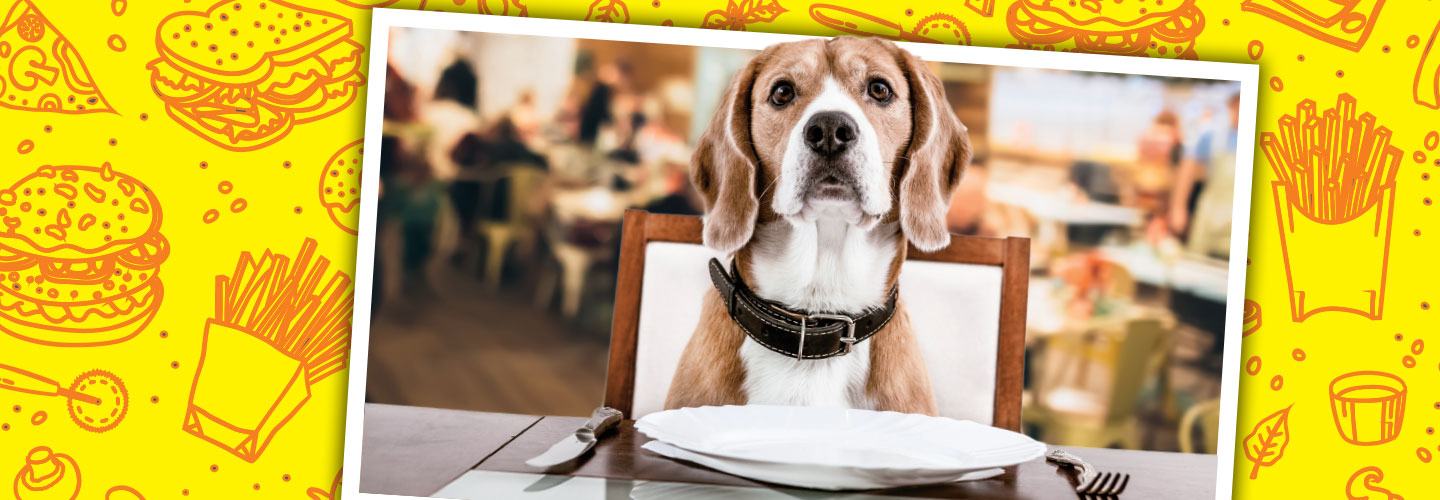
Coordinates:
243 73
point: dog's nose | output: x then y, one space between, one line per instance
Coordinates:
829 133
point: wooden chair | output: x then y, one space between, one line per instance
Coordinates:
967 303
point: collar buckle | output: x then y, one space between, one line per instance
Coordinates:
849 338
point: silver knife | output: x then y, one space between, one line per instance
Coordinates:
584 438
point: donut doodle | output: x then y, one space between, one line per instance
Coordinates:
40 70
934 28
1345 24
244 72
80 251
340 186
1108 27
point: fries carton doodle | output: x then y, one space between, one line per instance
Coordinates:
291 317
1336 176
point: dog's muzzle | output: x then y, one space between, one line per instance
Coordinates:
796 334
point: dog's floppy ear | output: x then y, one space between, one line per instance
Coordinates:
723 168
937 155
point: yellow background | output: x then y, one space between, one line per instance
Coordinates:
151 453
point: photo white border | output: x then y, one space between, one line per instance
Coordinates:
1248 75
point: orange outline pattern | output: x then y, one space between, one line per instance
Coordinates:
54 68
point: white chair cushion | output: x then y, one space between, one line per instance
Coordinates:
955 309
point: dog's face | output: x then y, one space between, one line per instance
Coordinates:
847 128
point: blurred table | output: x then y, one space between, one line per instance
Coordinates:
406 448
1200 276
1049 205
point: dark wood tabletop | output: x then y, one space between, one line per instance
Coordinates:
619 456
414 451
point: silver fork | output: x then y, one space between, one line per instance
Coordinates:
1092 482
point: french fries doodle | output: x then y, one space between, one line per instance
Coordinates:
280 326
1337 170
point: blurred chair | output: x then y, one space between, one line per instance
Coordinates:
967 303
1207 415
580 233
525 181
1071 411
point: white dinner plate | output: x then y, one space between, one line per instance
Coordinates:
834 449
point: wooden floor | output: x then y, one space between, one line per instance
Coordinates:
474 349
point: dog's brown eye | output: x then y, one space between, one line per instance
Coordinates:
879 90
782 93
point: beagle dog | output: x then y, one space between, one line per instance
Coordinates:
825 157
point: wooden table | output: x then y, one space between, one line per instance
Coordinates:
401 455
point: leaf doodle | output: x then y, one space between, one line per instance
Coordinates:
608 11
735 16
1266 443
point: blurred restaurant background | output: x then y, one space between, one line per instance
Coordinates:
508 160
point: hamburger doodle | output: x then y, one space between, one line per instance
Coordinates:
1108 27
42 70
80 255
243 73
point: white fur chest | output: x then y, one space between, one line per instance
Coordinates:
826 266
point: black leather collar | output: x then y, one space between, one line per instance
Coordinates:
796 334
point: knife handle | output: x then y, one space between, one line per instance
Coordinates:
603 419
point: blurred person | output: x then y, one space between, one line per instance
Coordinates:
450 115
1160 153
967 205
525 117
1210 153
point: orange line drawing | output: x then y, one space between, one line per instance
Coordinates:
1266 443
373 4
340 186
985 8
1133 28
80 250
488 7
1343 23
1368 407
290 316
243 73
47 475
1369 479
1427 80
333 494
45 72
123 492
1337 171
935 28
1252 318
735 16
608 11
97 399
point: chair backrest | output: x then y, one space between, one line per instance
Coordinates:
967 303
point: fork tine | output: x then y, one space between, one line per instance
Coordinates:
1094 481
1111 488
1103 485
1125 481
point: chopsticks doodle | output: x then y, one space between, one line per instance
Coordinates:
1333 164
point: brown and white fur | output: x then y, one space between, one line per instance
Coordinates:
822 225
